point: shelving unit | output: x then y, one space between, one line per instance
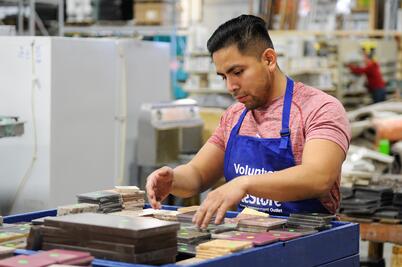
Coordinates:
324 67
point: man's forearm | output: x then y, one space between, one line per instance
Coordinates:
186 181
295 183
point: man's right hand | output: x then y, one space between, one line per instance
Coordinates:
159 184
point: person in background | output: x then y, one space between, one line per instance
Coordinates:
280 148
375 83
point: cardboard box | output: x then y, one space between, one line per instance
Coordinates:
152 13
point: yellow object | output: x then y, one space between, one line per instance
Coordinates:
368 45
254 212
396 259
211 118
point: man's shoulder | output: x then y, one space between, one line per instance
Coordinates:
307 95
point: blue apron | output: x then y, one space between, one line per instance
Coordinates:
248 155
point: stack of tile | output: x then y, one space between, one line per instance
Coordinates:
239 217
220 247
316 221
188 239
187 217
6 252
133 198
213 228
258 239
14 235
300 231
77 208
187 209
107 201
367 200
167 215
260 224
137 240
283 235
227 235
47 258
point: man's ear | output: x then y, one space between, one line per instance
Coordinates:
269 57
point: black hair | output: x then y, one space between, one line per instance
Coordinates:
249 33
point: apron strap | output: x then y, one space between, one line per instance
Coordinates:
236 128
287 104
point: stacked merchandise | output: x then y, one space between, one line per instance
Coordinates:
367 200
299 231
136 240
187 217
391 212
220 247
116 10
6 252
77 208
167 215
14 235
47 258
315 221
34 241
107 201
260 224
188 238
187 209
227 235
214 228
133 198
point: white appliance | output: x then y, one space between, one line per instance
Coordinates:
79 99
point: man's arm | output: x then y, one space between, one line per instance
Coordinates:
200 173
320 167
358 70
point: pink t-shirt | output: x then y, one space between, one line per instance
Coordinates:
313 115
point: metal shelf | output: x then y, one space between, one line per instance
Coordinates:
123 30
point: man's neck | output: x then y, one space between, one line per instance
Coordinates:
278 84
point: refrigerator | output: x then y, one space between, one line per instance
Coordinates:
79 99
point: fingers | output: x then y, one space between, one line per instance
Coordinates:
154 184
206 211
221 213
151 194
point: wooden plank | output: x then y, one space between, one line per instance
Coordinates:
375 250
379 232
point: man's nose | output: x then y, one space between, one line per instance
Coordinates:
231 85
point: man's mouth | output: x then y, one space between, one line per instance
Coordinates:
241 98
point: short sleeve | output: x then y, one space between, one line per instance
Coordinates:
329 122
218 137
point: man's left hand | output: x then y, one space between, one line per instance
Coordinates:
219 201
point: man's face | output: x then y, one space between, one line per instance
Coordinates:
247 78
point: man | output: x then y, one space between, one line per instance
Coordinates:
280 149
375 83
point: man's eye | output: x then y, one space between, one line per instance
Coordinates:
237 73
223 78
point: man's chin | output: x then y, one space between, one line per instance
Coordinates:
251 106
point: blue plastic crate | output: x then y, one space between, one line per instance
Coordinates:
338 246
